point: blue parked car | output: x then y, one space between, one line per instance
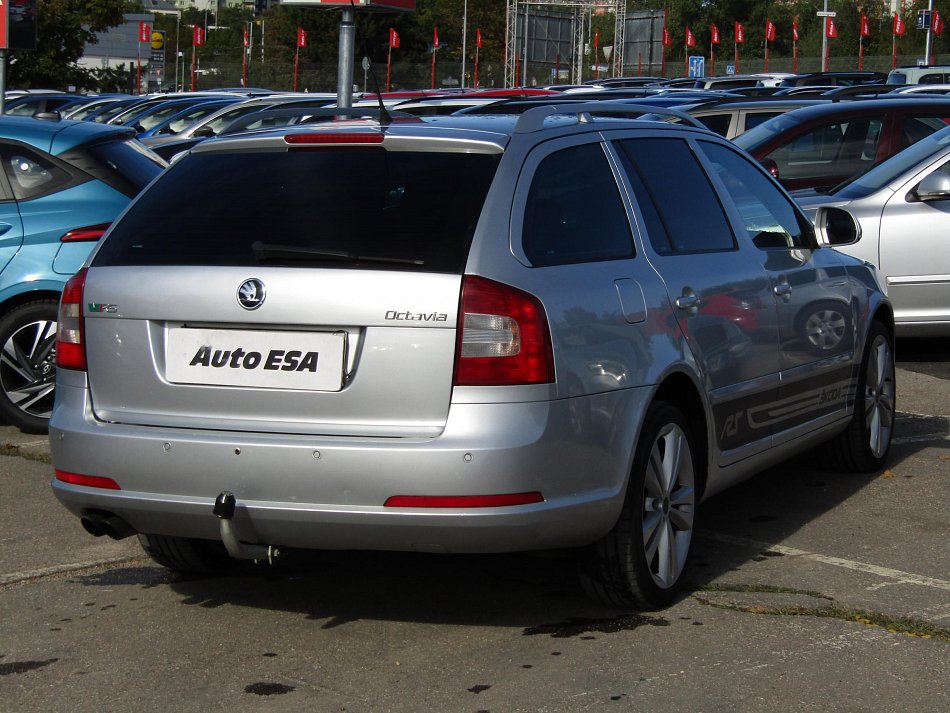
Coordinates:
62 184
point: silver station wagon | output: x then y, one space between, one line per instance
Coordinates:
563 329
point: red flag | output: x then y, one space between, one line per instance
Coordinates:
596 41
145 32
393 39
740 33
936 23
666 38
865 26
831 32
247 40
301 37
690 38
197 36
899 27
478 37
795 30
769 31
714 35
435 38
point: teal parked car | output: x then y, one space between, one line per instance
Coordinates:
62 184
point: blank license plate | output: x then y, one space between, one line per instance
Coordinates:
262 359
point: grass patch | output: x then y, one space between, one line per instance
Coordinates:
895 625
8 449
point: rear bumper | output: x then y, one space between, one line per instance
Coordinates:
329 492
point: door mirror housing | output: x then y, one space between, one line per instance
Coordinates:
934 187
836 226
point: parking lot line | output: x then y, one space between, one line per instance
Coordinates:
885 572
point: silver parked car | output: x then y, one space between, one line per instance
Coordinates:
903 206
461 334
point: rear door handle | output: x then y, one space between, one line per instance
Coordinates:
688 301
783 290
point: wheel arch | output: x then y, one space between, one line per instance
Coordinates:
679 390
13 301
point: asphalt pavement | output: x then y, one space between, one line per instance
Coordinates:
809 591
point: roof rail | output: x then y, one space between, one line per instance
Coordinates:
533 119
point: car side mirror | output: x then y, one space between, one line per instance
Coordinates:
204 131
770 166
934 187
836 226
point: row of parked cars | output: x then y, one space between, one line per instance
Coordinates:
486 331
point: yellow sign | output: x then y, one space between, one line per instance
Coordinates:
158 40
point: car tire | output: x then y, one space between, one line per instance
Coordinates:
864 445
640 562
190 556
28 365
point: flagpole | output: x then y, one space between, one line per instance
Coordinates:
435 47
475 78
894 43
389 61
930 31
464 38
296 64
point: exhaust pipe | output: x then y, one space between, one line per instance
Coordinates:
98 524
92 523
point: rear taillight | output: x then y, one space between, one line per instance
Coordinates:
70 346
503 337
83 235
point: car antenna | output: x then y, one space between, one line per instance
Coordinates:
385 118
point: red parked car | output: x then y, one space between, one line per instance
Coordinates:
821 146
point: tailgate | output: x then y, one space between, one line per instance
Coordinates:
334 352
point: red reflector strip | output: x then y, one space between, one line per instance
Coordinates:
90 233
463 501
90 481
334 138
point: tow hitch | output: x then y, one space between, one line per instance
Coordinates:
224 506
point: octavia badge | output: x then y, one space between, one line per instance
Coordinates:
251 294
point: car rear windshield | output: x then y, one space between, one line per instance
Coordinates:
338 206
124 164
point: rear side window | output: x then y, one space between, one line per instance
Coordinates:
336 206
915 128
679 204
574 212
754 118
31 174
717 122
126 165
841 147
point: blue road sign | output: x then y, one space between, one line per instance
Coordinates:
697 66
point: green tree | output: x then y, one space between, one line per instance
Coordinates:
63 29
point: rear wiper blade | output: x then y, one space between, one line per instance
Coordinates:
271 251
